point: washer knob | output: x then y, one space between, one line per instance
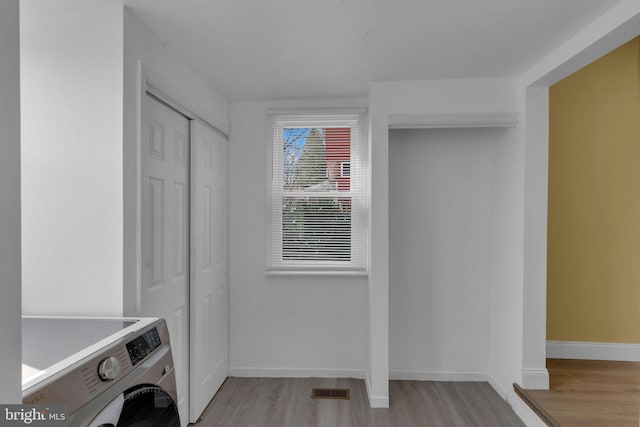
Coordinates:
109 368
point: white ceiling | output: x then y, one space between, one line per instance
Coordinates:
268 49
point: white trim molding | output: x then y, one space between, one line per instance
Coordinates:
375 401
439 376
522 410
493 382
339 111
593 351
378 402
535 378
165 91
457 120
295 372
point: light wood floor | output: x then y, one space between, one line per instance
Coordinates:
282 402
589 393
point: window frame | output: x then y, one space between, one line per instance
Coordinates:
358 263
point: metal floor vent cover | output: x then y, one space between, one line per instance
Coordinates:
330 393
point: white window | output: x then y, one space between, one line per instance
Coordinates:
318 203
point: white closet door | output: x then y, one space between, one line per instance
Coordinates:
165 232
209 266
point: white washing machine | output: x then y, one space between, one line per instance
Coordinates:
107 372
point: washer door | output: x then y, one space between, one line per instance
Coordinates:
140 406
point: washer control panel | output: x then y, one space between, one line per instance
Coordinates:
143 345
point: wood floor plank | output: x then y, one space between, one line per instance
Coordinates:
590 393
282 402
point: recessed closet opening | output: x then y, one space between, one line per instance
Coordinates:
442 222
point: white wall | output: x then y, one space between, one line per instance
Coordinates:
72 157
80 107
141 44
176 76
429 101
10 388
534 371
506 314
615 27
279 325
440 236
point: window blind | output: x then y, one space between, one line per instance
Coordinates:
317 211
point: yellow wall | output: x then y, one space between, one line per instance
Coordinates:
594 202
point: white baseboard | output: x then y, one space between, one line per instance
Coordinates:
379 402
438 376
236 371
524 412
593 351
535 378
493 382
375 401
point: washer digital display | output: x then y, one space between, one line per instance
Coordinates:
143 345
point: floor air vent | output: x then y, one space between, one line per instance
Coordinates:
330 393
